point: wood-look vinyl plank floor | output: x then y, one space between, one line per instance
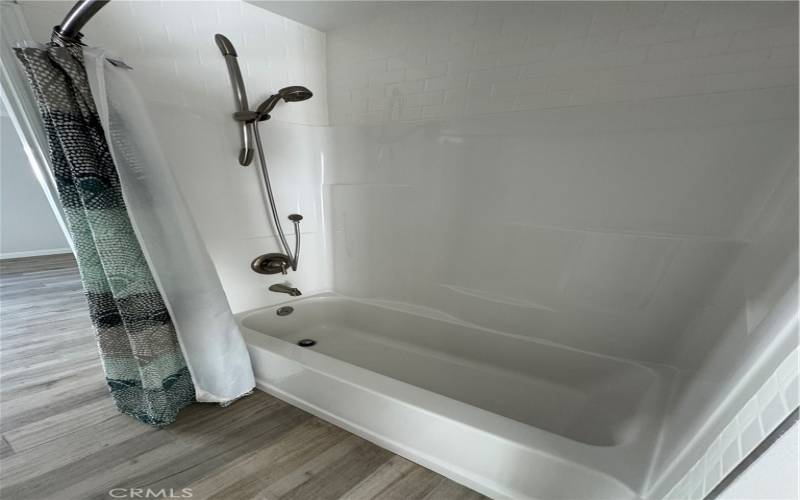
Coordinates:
61 437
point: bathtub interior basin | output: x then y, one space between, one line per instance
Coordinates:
590 399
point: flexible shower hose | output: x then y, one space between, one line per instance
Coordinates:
293 258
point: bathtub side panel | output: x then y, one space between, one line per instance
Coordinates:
487 463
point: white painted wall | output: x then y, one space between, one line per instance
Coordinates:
28 226
183 79
774 476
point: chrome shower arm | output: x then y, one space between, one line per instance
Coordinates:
69 31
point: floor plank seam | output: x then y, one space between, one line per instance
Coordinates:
52 379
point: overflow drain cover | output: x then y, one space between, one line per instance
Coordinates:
285 310
306 343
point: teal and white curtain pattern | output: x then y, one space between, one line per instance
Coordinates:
144 366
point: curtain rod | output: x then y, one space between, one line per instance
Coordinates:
69 31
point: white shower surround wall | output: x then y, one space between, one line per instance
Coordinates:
551 179
466 211
454 59
617 177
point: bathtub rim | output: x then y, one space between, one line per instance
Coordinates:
654 370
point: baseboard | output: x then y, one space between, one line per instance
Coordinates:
34 253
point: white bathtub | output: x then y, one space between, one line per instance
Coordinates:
506 415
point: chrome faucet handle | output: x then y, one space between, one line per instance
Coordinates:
271 263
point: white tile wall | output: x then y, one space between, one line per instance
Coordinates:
773 402
183 78
492 57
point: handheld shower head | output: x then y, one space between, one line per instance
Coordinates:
294 93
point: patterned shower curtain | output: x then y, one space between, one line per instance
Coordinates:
145 369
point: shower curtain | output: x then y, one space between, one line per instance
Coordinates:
143 363
214 348
164 329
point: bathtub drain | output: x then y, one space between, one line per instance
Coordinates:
306 343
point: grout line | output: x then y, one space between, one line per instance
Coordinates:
623 232
754 455
688 479
598 103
